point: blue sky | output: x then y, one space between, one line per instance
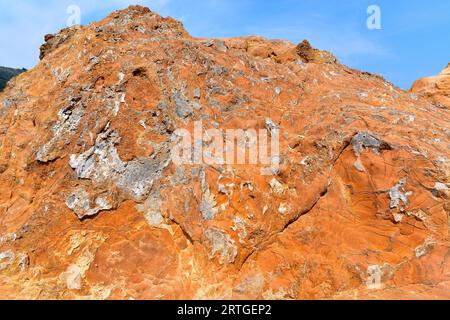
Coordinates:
414 40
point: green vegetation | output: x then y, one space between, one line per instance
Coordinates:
6 74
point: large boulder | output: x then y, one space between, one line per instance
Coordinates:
93 205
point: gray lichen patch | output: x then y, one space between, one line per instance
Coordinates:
6 259
183 107
61 74
197 93
179 177
208 203
208 206
151 209
6 105
426 248
221 244
252 284
102 165
79 201
101 162
365 140
69 120
398 195
139 176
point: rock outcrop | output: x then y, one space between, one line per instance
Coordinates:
436 88
93 206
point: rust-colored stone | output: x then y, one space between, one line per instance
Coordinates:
436 88
91 205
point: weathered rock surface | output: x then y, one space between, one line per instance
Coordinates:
91 205
436 88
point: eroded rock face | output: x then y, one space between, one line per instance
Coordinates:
92 205
437 88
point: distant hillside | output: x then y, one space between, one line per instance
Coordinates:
6 74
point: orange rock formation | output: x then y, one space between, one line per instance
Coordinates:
436 88
91 205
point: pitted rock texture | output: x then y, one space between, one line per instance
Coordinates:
92 207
